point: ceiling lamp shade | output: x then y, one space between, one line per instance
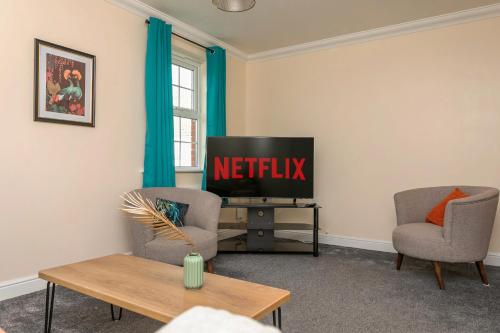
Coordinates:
234 5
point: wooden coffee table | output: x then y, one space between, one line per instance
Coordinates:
156 290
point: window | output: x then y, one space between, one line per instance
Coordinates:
187 117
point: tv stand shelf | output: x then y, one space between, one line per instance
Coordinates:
277 226
260 233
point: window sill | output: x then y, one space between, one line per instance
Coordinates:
182 171
194 170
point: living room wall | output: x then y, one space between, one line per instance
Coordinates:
387 115
61 183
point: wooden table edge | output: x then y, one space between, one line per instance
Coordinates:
165 318
266 311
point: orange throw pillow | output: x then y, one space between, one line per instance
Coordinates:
436 215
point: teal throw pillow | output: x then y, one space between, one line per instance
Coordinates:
174 211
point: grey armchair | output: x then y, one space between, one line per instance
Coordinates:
466 233
201 222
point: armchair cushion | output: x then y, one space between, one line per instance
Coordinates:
174 251
421 240
436 215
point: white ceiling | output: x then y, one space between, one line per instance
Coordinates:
274 24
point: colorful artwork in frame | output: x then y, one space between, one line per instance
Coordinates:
64 85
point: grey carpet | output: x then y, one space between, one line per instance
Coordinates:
343 290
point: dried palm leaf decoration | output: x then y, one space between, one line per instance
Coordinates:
144 211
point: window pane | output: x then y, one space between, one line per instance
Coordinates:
185 129
177 130
188 130
186 78
188 154
177 153
186 99
175 74
194 149
175 93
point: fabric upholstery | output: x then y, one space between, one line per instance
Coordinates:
174 251
421 240
466 233
140 237
203 213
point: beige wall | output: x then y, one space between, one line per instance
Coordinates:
387 115
61 184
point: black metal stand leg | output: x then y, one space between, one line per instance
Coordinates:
274 318
113 313
279 318
49 306
315 232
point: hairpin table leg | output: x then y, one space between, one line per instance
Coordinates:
49 306
279 318
113 313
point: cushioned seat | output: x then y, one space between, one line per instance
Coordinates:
173 251
421 240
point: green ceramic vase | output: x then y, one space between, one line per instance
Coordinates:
193 271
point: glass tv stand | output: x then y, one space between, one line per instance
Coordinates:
260 232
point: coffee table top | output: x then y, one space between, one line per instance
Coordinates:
156 290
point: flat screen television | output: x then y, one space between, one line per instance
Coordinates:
260 167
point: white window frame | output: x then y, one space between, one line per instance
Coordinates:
195 66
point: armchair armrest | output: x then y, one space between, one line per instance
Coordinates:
140 236
469 222
206 211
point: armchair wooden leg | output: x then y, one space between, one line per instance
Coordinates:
210 266
437 272
482 272
399 261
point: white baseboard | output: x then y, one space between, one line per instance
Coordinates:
493 258
24 285
30 284
21 286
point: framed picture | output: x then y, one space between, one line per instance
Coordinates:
64 85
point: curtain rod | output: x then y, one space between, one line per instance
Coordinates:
189 40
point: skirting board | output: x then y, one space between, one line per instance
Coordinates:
493 258
30 284
23 286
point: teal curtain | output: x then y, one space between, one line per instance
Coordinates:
159 167
216 96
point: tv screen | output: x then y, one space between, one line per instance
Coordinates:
260 167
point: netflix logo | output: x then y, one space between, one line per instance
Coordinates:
252 167
225 168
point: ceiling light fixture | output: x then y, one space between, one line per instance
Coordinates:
234 5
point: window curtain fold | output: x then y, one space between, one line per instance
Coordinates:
216 96
159 167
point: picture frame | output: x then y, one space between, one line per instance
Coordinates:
64 85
